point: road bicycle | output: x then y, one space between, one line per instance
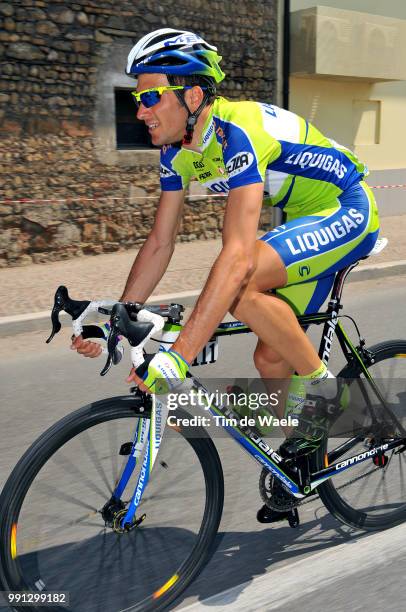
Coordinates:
123 537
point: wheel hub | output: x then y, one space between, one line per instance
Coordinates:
118 526
110 510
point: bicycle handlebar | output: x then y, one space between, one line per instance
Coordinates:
131 320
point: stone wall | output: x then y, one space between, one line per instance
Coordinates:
65 190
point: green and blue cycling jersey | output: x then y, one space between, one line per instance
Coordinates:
331 214
251 142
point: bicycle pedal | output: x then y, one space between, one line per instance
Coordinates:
293 518
268 515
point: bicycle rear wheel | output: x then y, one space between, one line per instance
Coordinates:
52 534
368 496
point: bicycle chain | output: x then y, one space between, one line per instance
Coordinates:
285 501
346 484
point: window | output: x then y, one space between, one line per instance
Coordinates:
366 121
130 132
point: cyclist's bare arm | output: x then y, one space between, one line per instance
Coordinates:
151 261
154 257
229 272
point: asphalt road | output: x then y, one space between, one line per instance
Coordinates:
40 384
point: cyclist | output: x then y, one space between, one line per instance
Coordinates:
256 153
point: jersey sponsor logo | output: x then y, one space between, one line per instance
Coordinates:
312 241
218 186
304 271
322 161
239 163
165 172
278 229
269 109
222 136
208 134
204 175
198 164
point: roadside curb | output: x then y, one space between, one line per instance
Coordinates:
390 268
40 321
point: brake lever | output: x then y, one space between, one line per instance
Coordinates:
56 324
62 301
111 351
122 325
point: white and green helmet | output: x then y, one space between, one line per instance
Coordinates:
175 52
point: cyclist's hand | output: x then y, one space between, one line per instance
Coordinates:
166 371
85 347
133 378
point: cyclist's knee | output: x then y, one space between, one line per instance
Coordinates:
245 302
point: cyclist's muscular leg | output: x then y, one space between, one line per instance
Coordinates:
271 319
283 342
271 367
269 362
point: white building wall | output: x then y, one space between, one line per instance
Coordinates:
368 117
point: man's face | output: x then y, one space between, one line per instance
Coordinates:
166 120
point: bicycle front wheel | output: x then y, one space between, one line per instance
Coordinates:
52 533
370 496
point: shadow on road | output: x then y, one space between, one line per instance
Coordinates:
241 557
112 572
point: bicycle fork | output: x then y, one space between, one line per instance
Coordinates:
146 443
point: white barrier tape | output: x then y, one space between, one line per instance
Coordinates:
387 186
130 199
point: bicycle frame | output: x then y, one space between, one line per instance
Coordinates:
299 484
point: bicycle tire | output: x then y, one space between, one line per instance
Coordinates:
330 493
36 457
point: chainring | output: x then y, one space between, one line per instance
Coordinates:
274 494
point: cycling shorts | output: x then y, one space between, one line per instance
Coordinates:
313 248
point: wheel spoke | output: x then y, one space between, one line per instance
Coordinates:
380 500
62 535
67 463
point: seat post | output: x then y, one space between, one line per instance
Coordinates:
339 281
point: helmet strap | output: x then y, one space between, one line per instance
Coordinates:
192 117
